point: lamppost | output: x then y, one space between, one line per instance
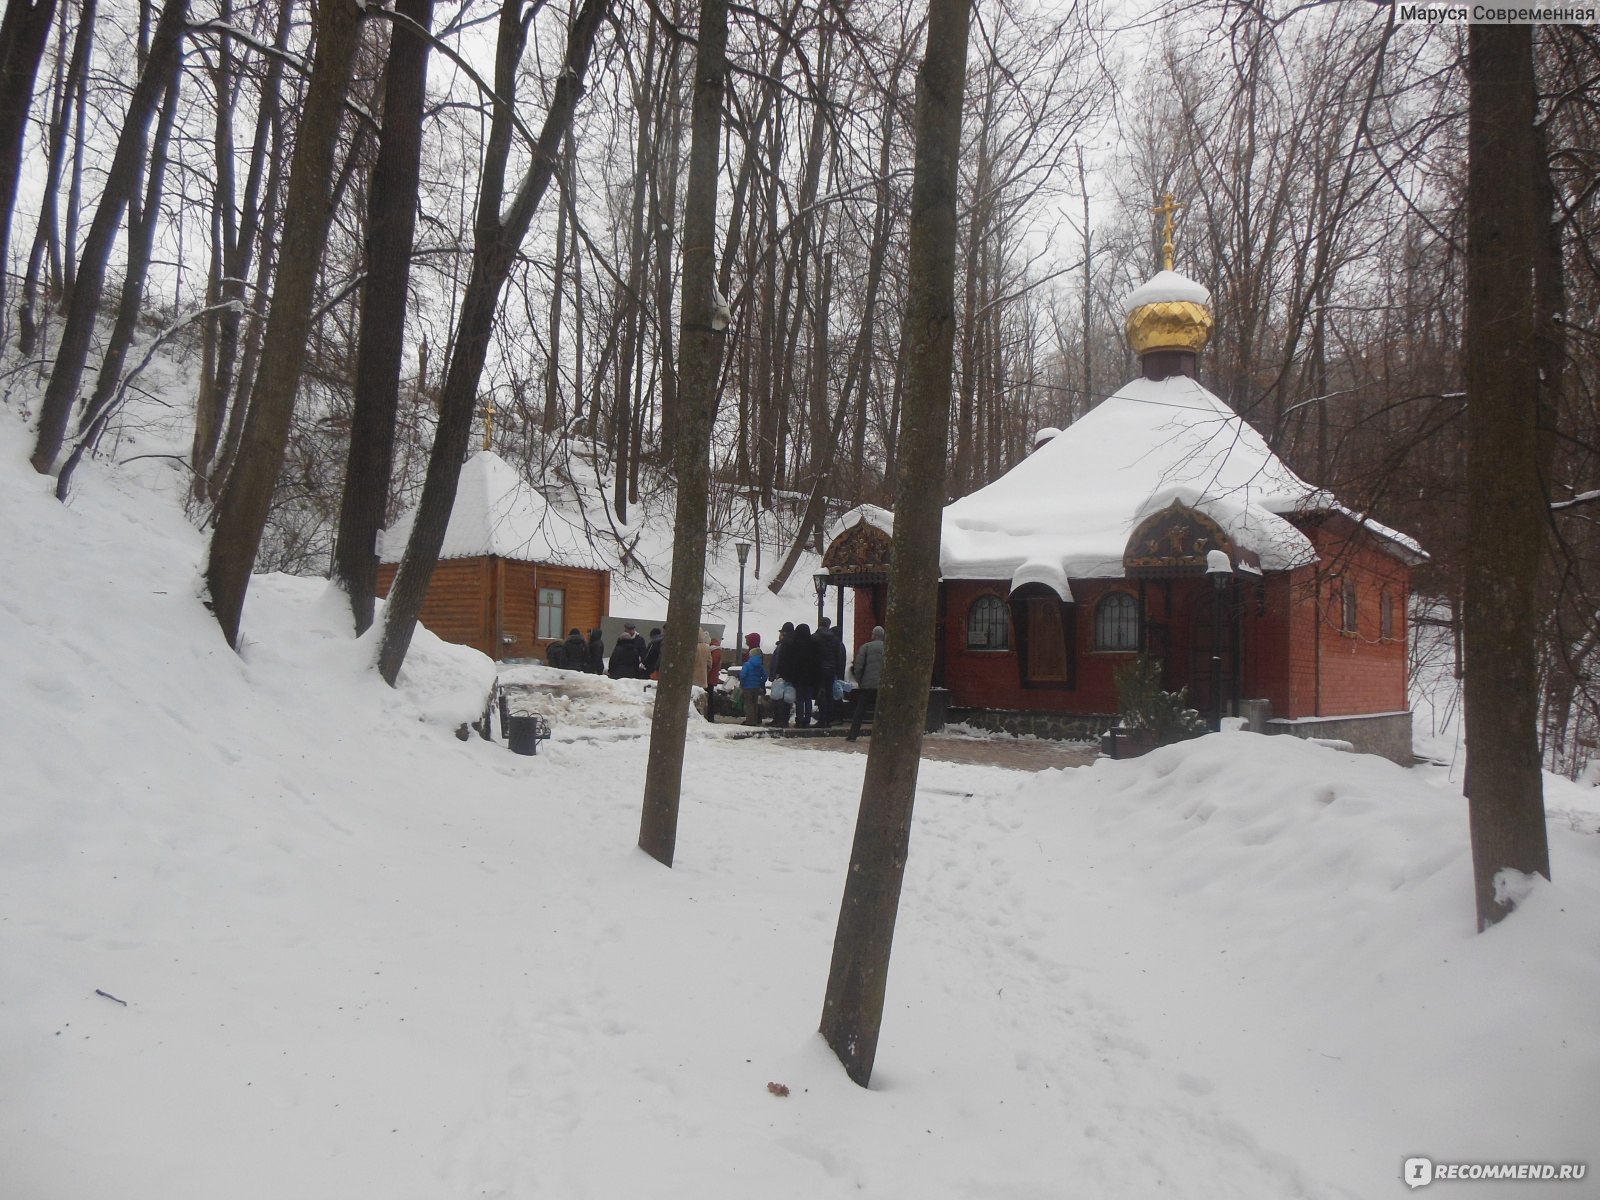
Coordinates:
820 579
742 549
1219 570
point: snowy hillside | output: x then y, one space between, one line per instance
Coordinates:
269 930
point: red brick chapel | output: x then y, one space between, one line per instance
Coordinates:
1159 523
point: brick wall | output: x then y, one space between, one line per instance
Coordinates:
1333 671
983 678
1296 655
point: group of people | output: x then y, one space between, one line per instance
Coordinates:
813 665
631 658
635 658
579 654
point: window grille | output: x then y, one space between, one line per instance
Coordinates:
987 624
1116 623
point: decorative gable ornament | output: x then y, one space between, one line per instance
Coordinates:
1174 542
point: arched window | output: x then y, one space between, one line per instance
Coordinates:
986 624
1386 615
1116 623
1347 620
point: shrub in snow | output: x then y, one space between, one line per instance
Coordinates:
1142 704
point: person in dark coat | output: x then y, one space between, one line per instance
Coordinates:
577 651
596 664
831 652
802 666
780 709
652 654
626 662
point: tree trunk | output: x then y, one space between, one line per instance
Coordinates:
61 393
495 244
23 33
823 441
1083 404
391 225
852 1010
68 265
1505 504
242 512
698 371
266 260
663 216
141 240
237 250
882 223
767 398
46 238
550 420
630 308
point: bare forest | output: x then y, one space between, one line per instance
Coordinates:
384 236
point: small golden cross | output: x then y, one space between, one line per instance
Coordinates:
487 413
1167 208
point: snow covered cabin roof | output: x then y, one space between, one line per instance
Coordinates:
499 514
1067 510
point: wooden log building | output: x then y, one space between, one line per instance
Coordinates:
514 574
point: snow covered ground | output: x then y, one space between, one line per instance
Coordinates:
268 930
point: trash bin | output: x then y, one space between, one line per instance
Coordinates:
525 733
938 709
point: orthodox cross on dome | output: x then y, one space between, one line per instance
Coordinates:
1167 208
487 413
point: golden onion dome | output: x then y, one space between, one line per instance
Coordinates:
1168 312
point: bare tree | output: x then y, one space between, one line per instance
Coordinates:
496 240
391 226
852 1011
700 341
238 224
242 513
142 218
1505 506
122 181
23 33
46 250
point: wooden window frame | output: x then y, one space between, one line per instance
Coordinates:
540 624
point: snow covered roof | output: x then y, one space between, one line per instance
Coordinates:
498 513
1066 511
1403 546
877 518
1166 286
